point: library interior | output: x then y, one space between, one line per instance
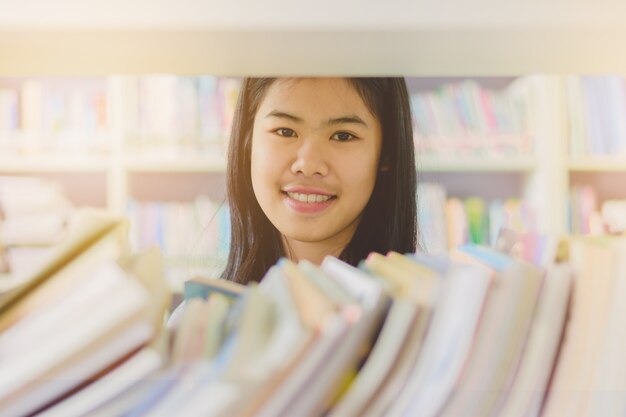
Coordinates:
115 222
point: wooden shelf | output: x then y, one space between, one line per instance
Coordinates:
476 164
598 164
139 163
444 51
41 164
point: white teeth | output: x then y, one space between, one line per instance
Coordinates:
309 198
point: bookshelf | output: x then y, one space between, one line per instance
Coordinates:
125 165
520 164
146 159
598 164
451 39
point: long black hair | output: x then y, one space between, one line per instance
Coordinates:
389 220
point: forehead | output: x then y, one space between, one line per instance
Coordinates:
313 98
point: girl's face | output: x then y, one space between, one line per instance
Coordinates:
315 154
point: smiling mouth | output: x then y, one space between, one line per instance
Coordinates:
309 198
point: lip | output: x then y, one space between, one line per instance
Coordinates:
307 208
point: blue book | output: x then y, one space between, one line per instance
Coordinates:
438 263
202 287
488 256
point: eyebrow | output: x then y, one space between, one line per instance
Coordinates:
283 115
339 120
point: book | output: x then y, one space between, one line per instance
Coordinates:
138 367
405 321
47 353
202 287
447 346
530 385
572 388
513 330
88 227
507 317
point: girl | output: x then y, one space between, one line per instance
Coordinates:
316 167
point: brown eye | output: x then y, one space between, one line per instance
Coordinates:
343 136
283 131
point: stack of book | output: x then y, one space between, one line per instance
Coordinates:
33 217
81 327
528 327
472 333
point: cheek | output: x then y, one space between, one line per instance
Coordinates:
359 173
264 170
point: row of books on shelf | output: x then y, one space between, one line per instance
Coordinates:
194 237
189 112
597 115
468 118
187 231
53 115
76 115
528 327
589 216
196 112
446 222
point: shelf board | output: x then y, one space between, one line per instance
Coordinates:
212 164
47 163
497 49
140 163
428 163
598 164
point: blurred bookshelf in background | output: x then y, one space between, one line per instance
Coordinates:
532 153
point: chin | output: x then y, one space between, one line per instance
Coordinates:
303 236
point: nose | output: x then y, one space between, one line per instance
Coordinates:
310 159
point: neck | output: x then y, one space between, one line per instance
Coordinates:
314 252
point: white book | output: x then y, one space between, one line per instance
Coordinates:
125 376
25 337
288 337
572 384
531 382
385 352
324 382
607 398
195 376
50 388
448 343
357 283
21 380
332 334
500 341
210 400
